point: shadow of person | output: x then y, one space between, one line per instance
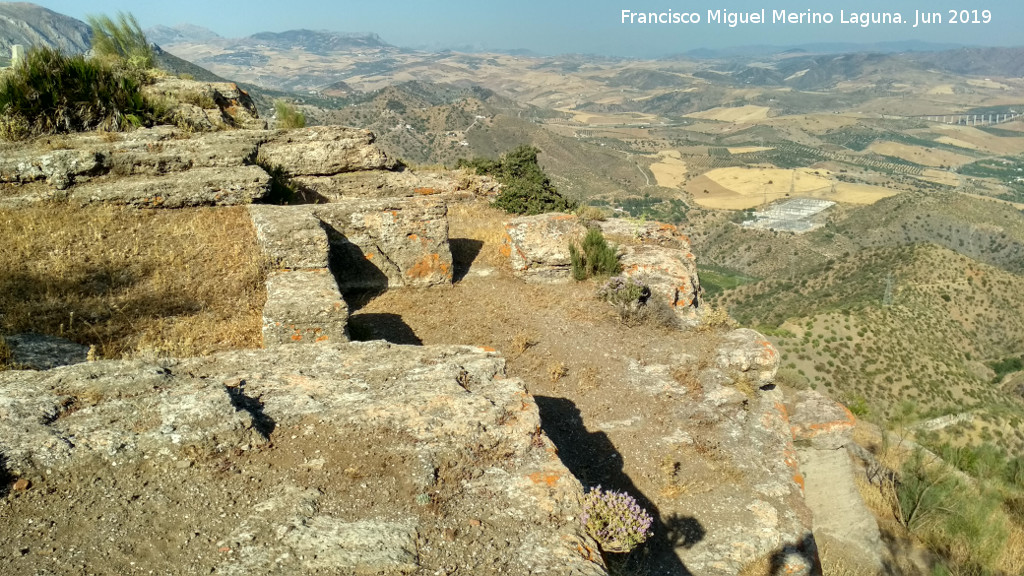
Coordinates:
593 459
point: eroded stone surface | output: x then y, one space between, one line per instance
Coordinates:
196 187
290 236
737 482
745 351
59 168
538 246
841 520
206 105
406 183
323 151
388 243
164 149
647 232
465 439
304 306
820 422
670 273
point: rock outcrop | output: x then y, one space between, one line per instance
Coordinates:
386 460
205 106
736 483
822 429
538 246
304 304
746 352
654 253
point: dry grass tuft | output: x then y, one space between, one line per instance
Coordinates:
5 355
131 282
716 318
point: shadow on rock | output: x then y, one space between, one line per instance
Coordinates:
264 424
5 477
804 552
593 459
390 327
464 253
350 266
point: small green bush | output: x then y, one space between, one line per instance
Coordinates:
51 92
595 257
122 39
288 116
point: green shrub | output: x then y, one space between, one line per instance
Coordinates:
122 39
288 116
526 189
595 257
51 92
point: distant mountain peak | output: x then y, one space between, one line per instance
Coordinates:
318 41
30 25
182 33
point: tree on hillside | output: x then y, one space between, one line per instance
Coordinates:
526 189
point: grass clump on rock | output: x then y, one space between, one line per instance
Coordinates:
51 92
288 116
594 257
525 189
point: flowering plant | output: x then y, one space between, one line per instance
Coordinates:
615 520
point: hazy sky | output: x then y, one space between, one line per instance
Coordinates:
559 26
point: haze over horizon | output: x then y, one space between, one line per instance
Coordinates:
591 28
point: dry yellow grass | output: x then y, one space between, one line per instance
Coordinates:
738 114
480 222
972 138
669 170
738 188
943 177
919 154
956 142
181 282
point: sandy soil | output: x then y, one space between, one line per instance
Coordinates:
669 170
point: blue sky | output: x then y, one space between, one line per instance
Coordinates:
558 26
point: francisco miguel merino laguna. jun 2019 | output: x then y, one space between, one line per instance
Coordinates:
770 16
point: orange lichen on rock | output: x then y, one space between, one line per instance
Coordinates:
427 266
424 191
546 478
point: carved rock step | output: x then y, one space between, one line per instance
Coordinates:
197 187
387 243
290 236
163 149
304 306
432 459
